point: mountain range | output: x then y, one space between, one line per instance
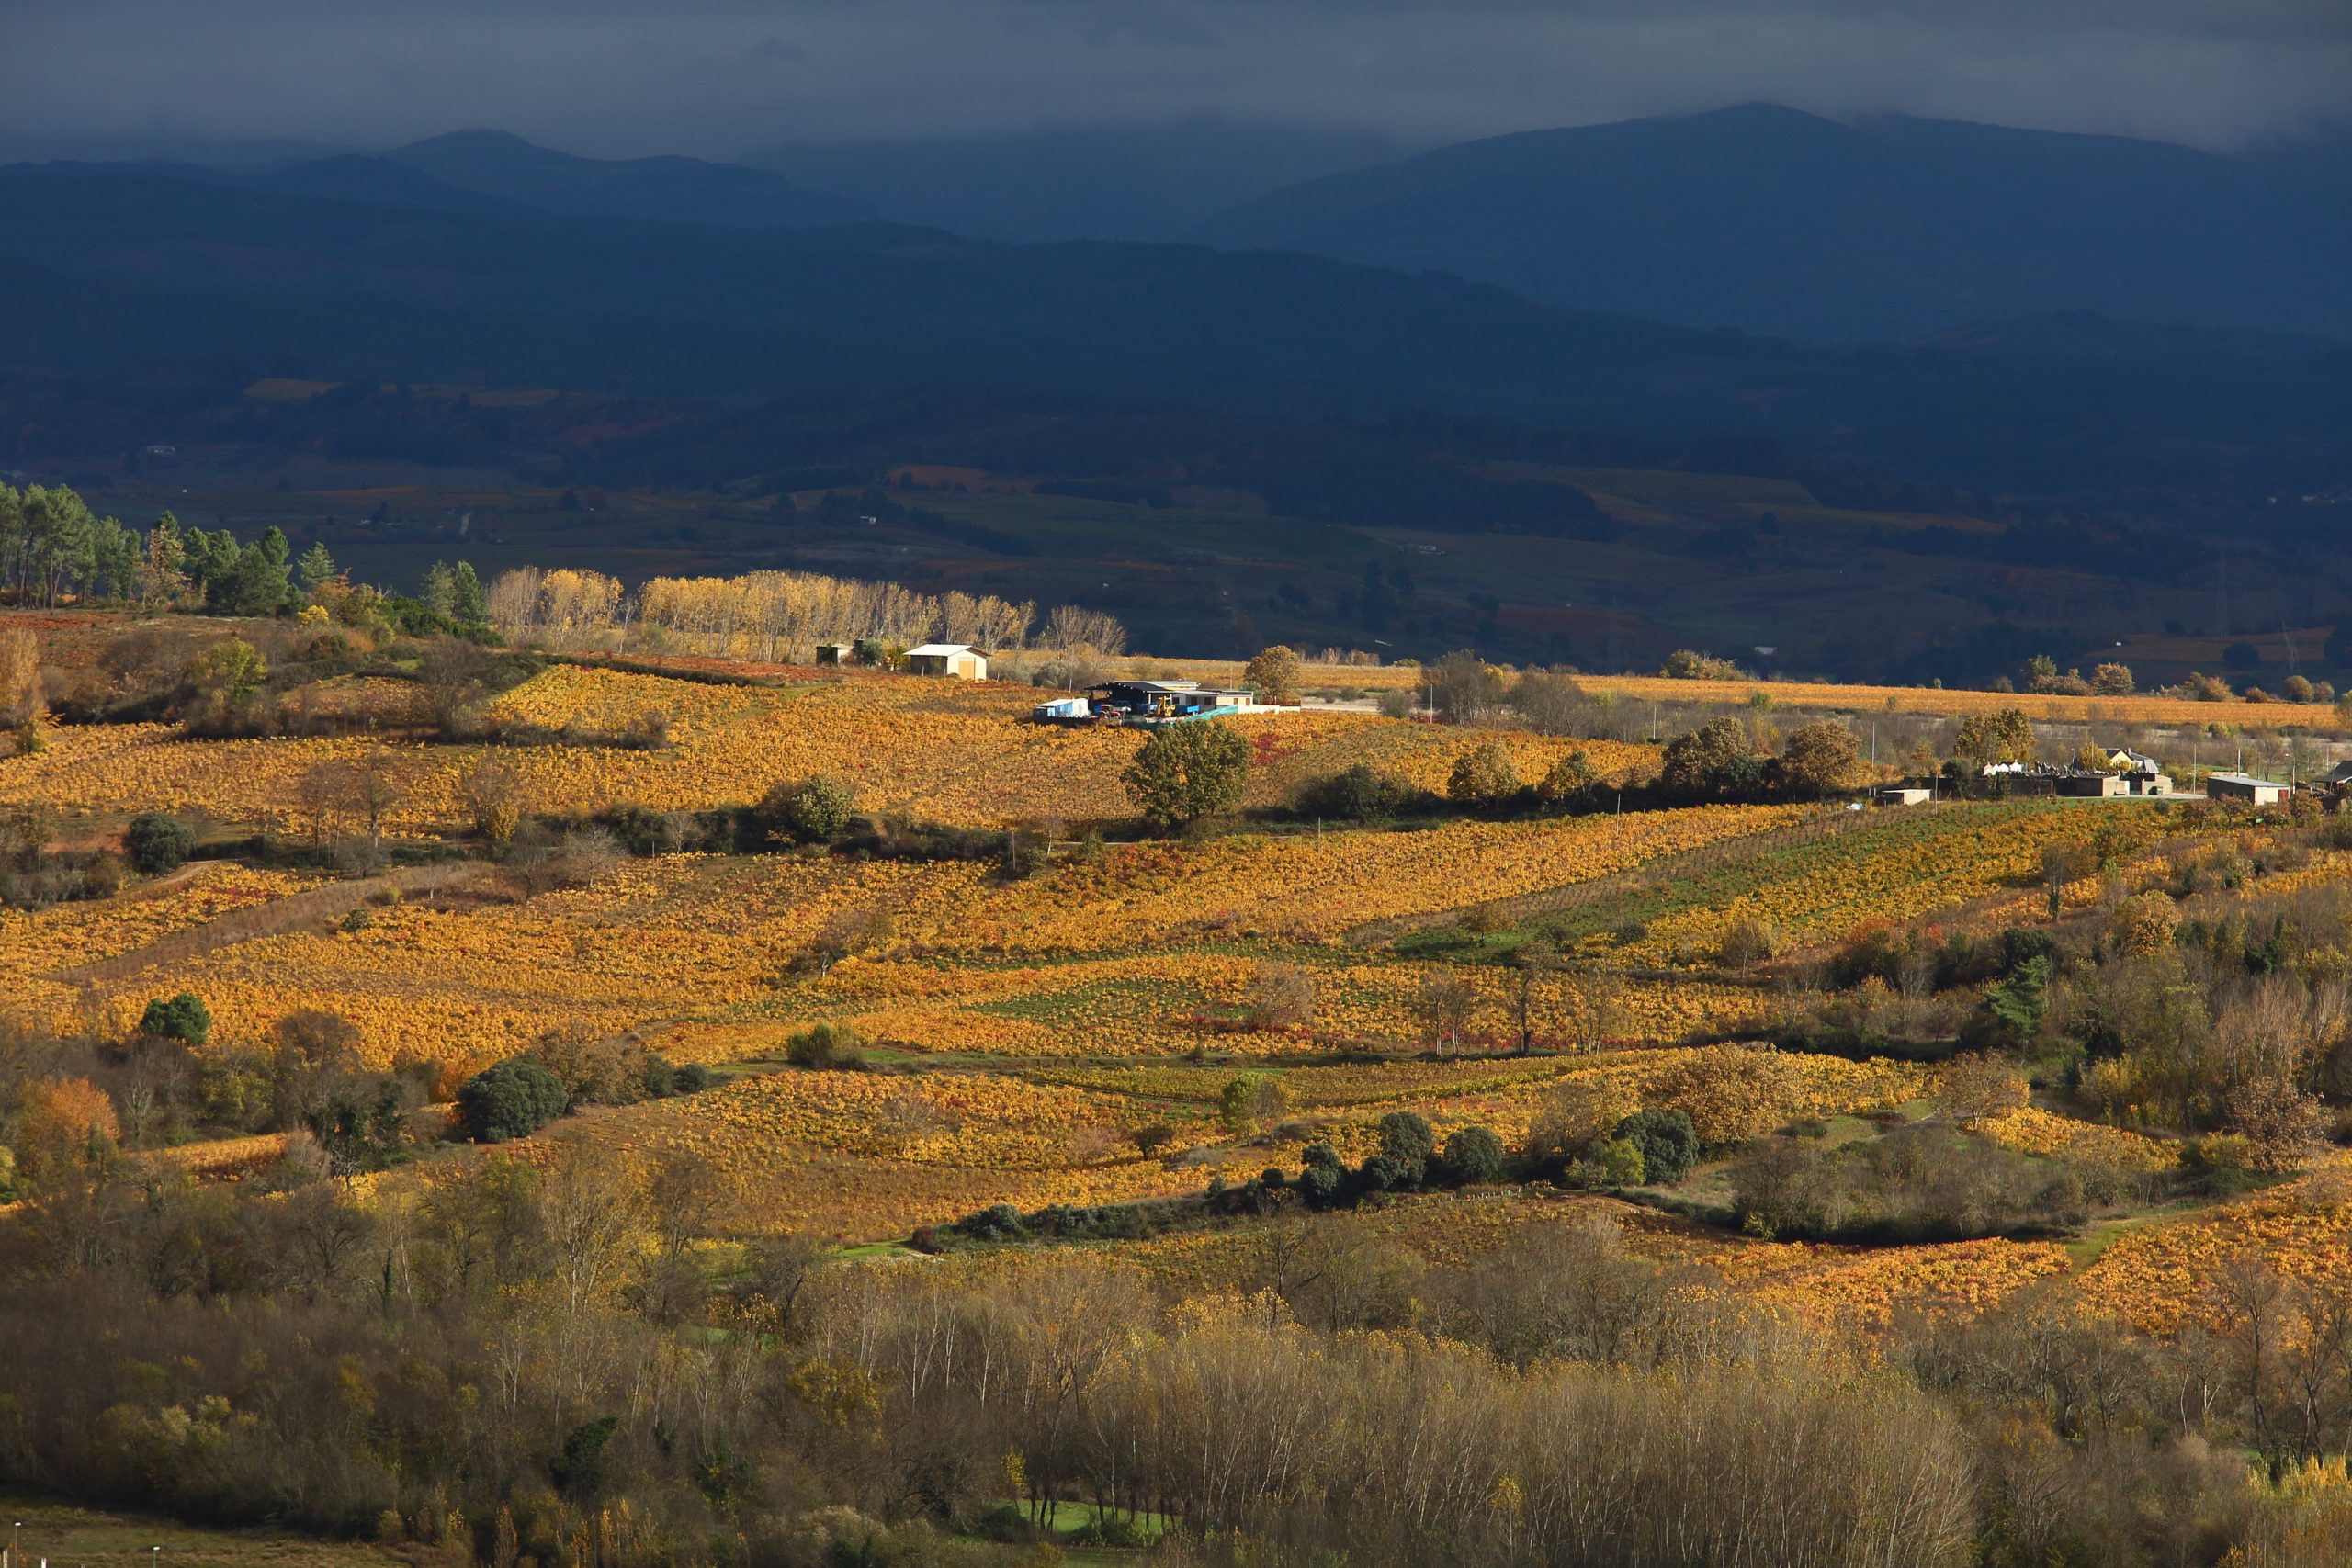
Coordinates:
1758 216
478 256
1153 182
677 191
1778 221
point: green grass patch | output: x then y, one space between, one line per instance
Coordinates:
1714 886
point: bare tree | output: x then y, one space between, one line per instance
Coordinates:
593 1211
371 787
682 1196
1443 1005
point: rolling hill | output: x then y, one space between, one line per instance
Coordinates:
678 190
142 265
1095 182
1778 221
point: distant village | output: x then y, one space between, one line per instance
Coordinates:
2121 772
2124 773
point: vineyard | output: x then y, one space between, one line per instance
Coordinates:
945 752
1811 696
1135 1017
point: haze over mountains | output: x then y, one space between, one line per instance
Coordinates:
1761 218
1065 183
481 169
2080 310
1778 221
139 265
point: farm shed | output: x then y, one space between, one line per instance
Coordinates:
955 661
834 653
1904 794
2245 788
1062 710
2092 785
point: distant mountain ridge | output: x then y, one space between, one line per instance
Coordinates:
126 266
2088 334
1778 221
502 165
1114 181
353 176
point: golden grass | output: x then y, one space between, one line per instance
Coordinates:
1961 704
941 751
64 1534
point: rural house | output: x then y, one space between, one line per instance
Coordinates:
955 661
2140 773
1151 701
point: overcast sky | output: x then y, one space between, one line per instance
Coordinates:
716 77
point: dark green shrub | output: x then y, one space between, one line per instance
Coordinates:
691 1079
998 1222
1406 1145
157 843
825 1047
1323 1180
2020 945
811 811
1357 793
661 1077
184 1018
579 1470
1669 1143
1473 1155
512 1099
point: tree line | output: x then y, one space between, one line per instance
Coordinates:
503 1362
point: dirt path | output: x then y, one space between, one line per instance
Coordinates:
312 907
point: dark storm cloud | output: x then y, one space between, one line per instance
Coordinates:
716 76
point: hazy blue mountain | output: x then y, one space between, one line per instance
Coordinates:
1076 183
139 267
1778 221
676 190
351 177
34 145
2087 334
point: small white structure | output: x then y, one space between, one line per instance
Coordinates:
2245 788
956 660
1904 795
1062 710
2095 786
